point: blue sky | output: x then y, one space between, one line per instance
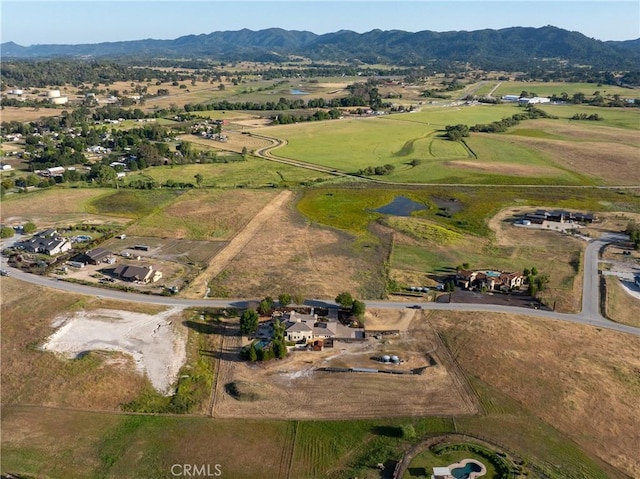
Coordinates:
28 22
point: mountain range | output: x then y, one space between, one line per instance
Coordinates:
491 49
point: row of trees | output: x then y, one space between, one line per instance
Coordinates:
377 170
500 126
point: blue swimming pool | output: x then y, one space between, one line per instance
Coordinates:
465 471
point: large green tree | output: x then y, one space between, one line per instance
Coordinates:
249 321
345 299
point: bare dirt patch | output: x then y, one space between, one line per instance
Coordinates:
622 303
96 380
564 373
503 168
293 388
156 344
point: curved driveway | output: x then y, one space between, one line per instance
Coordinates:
590 314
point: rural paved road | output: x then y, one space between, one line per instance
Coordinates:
590 314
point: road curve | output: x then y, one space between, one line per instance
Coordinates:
590 314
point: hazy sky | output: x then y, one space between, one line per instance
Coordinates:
29 22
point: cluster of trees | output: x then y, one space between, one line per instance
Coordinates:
320 115
356 307
500 126
43 73
584 116
377 170
633 230
456 132
537 282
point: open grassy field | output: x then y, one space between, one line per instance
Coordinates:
562 373
54 205
14 113
550 88
352 144
204 214
464 209
113 446
252 173
131 203
290 254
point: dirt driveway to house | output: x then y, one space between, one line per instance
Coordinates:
220 261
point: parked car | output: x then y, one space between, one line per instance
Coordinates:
4 272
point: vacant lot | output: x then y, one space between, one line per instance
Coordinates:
287 254
215 215
96 380
49 207
13 113
292 388
564 373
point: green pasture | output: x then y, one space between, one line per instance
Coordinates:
131 203
628 118
548 89
353 144
351 209
253 172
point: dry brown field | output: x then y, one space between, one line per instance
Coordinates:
581 380
12 113
98 380
621 307
50 207
293 389
513 169
610 154
551 252
204 215
287 254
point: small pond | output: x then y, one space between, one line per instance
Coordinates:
401 206
298 92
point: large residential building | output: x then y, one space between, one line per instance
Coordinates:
488 279
46 242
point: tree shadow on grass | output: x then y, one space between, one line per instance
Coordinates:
387 431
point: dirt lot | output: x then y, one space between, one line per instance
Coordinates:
30 375
156 342
581 380
294 389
